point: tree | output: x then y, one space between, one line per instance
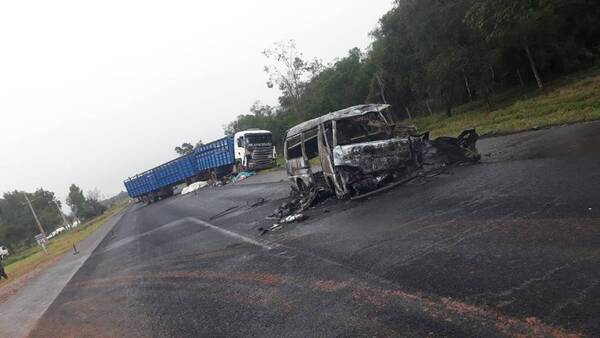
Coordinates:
516 21
85 207
187 148
262 117
17 225
184 149
94 194
289 71
93 205
76 201
342 84
433 55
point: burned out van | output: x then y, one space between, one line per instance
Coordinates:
351 151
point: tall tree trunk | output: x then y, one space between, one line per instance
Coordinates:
428 107
486 97
533 67
447 101
520 78
381 84
468 87
408 113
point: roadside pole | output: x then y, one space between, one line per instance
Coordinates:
36 220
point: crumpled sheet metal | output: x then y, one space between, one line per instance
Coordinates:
452 150
426 155
373 156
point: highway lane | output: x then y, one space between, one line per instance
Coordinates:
509 246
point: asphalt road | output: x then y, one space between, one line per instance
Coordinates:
507 247
27 298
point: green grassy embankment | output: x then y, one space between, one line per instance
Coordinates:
30 259
574 98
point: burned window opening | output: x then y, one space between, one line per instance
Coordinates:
294 147
364 128
311 144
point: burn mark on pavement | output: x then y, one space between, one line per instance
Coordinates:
444 308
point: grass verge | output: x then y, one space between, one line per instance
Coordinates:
33 258
574 98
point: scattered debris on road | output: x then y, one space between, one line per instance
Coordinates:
298 202
258 202
294 218
291 210
249 205
285 220
194 187
242 176
451 150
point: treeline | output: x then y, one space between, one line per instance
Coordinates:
430 56
85 207
17 223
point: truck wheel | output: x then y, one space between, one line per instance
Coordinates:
239 167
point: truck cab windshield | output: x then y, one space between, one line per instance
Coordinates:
259 139
364 128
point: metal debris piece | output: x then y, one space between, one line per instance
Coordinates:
294 218
298 202
260 201
454 150
242 176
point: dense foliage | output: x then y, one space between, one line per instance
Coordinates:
17 225
84 207
432 55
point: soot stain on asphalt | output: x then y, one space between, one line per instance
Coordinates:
444 308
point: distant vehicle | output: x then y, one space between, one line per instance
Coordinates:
56 232
247 150
254 150
3 252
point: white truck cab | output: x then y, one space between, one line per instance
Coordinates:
254 150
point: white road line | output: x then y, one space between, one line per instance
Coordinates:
229 233
127 240
133 238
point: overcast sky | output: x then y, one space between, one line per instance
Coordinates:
94 92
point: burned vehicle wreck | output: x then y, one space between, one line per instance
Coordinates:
362 149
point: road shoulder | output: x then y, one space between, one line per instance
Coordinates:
25 305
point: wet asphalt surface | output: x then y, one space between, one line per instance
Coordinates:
507 247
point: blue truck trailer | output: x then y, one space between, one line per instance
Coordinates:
216 158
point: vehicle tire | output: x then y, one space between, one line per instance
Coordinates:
239 167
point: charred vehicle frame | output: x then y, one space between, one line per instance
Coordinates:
351 151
